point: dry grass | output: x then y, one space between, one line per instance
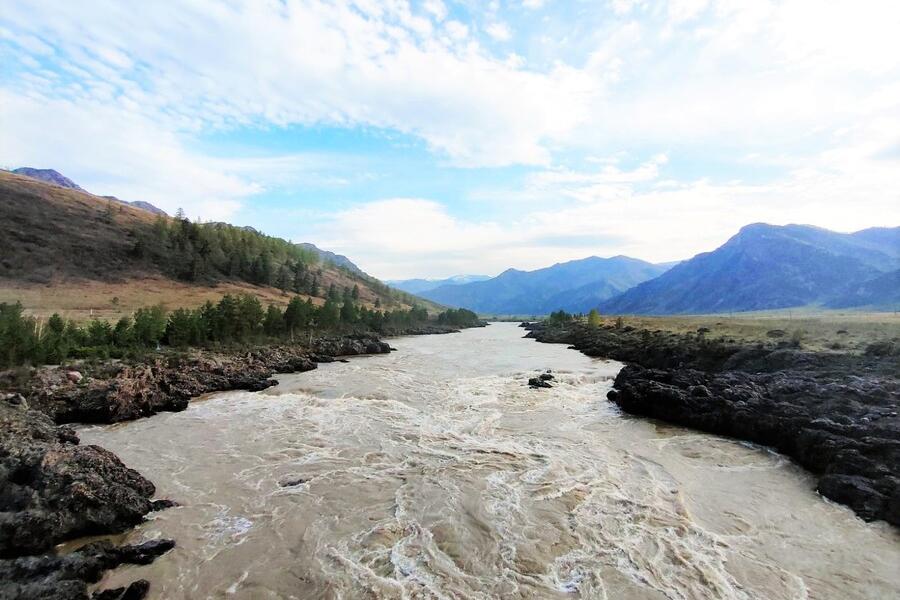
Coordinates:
85 300
815 330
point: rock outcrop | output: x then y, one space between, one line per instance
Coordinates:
66 577
53 489
120 392
835 414
845 429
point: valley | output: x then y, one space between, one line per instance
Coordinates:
147 316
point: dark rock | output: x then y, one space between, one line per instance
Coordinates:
65 577
547 376
537 382
135 591
54 489
835 414
835 426
292 481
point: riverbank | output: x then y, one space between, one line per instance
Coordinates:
835 413
54 489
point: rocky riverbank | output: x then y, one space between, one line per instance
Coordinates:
52 489
834 413
116 391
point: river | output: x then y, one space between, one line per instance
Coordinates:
435 472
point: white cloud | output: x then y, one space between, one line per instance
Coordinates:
636 212
309 63
436 8
499 31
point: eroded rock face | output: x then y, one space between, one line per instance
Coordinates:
53 489
845 429
834 414
66 577
125 392
350 346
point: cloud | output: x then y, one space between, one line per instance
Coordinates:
499 31
194 66
636 212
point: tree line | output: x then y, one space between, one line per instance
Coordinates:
233 320
201 252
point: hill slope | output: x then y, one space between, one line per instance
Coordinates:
336 259
769 267
57 178
576 286
58 242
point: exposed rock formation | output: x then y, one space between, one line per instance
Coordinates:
834 413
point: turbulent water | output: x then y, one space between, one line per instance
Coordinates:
434 472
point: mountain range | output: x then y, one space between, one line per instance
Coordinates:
417 286
575 286
58 179
766 267
762 267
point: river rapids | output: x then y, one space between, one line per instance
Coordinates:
435 472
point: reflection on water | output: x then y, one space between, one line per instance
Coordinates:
434 472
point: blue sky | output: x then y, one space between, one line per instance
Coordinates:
434 138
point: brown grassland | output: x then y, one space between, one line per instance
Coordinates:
819 330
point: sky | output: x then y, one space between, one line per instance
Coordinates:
433 138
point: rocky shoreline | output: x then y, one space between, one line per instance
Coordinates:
53 489
836 414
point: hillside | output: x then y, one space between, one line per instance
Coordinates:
419 286
68 249
57 178
767 267
336 259
576 286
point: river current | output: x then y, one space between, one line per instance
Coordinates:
435 472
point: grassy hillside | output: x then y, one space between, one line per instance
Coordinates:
67 250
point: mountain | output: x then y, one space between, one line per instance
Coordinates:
57 178
138 204
769 267
881 292
336 259
576 286
418 286
63 249
49 176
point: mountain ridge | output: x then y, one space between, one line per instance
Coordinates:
54 177
419 285
766 267
547 289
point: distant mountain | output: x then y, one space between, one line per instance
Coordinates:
49 176
335 259
769 267
138 204
57 178
576 286
881 292
417 286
